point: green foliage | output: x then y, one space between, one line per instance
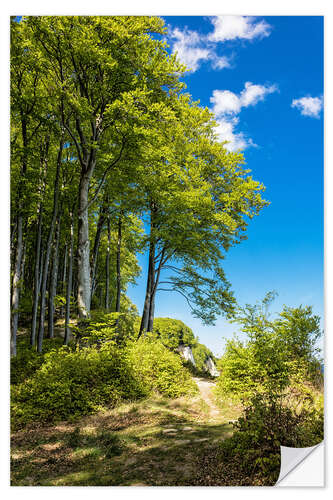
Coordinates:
278 353
28 361
252 454
72 383
158 368
65 383
103 326
200 354
173 332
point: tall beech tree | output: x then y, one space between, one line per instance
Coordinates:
110 158
91 72
197 207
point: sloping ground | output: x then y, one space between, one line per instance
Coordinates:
152 442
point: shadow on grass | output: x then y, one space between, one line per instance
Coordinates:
138 446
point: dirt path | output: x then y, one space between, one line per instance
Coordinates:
205 388
150 442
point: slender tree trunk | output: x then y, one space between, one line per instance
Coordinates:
15 297
69 283
63 282
24 251
119 242
145 313
151 306
48 250
39 258
53 281
99 229
38 266
107 270
16 285
83 272
151 314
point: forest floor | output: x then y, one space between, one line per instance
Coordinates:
154 442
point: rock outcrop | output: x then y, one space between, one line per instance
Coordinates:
211 368
186 352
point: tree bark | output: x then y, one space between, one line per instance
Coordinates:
64 276
100 223
24 251
119 242
15 289
107 270
83 273
53 282
69 283
156 279
145 313
48 249
39 260
15 298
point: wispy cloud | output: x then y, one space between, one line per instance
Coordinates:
227 105
194 48
309 106
188 47
242 27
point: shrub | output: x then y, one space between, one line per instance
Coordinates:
158 368
28 360
173 332
64 383
251 457
200 354
72 383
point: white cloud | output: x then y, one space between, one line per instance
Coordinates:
187 47
220 62
255 93
225 131
226 102
309 106
227 105
194 48
242 27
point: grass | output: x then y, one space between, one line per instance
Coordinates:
152 442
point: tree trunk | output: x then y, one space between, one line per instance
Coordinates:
53 282
107 270
83 271
157 273
39 258
24 251
48 249
119 241
36 281
16 286
64 276
69 283
150 283
100 223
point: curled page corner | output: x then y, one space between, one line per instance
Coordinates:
291 458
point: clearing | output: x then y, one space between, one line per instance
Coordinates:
154 442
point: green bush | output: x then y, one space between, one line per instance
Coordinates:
66 383
173 332
72 383
200 354
158 368
251 457
28 360
275 355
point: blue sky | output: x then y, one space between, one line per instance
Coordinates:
263 77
